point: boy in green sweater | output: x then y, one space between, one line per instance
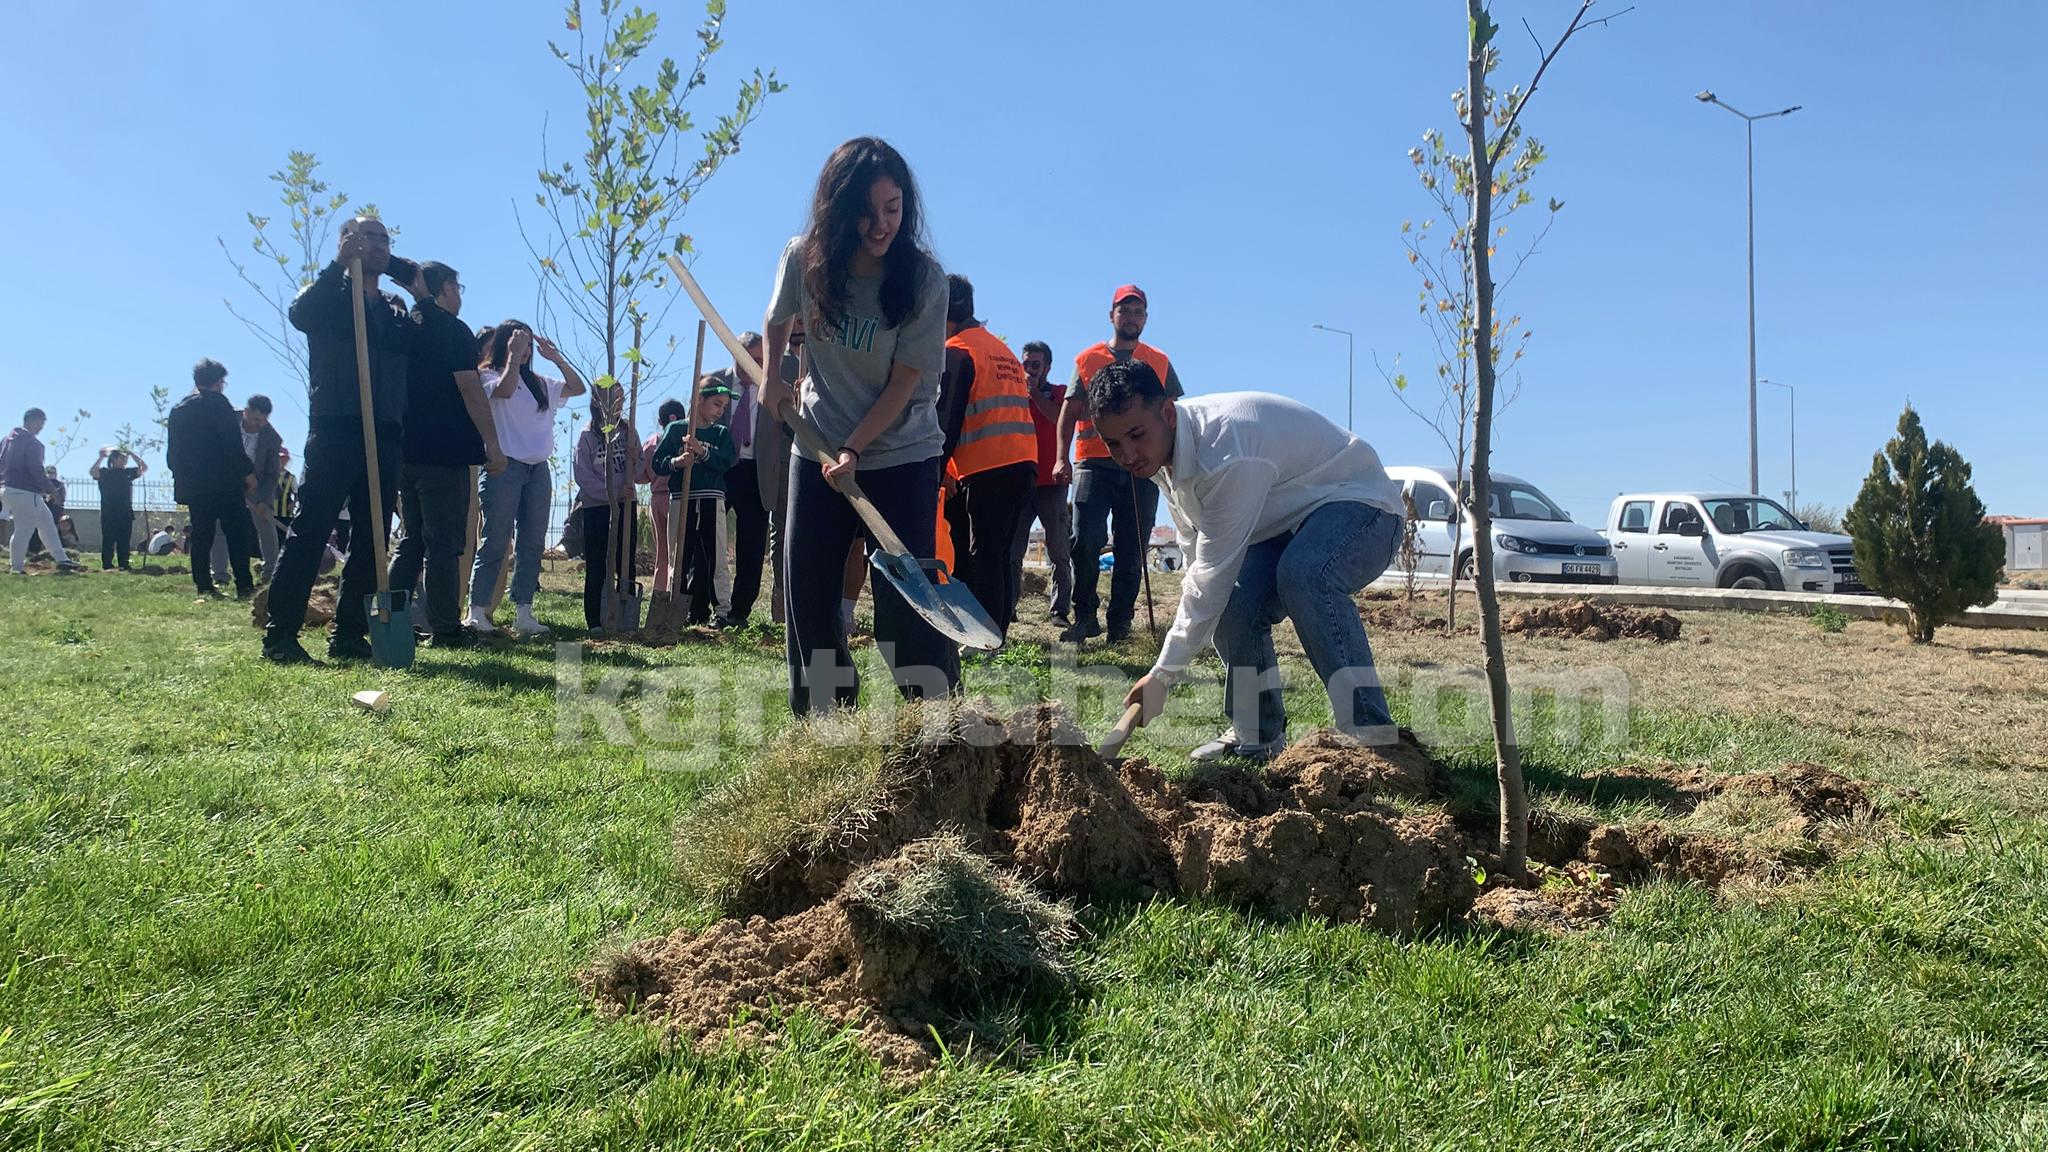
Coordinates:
702 448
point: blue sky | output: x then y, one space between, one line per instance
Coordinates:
1246 166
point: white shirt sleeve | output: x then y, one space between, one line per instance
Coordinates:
1223 517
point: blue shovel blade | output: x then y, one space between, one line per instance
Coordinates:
391 641
945 604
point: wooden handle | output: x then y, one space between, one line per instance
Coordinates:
808 439
1114 742
367 403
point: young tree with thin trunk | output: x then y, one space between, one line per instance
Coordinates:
615 210
1481 108
282 268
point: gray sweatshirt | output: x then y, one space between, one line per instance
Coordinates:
850 364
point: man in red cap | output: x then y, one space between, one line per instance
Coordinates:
1109 507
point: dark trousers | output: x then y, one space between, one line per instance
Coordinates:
597 545
116 531
1105 512
749 537
1049 507
334 477
983 515
229 512
433 516
821 528
698 553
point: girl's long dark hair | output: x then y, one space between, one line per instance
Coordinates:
833 235
496 343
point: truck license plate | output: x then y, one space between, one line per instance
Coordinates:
1571 569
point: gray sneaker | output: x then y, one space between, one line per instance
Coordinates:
1227 746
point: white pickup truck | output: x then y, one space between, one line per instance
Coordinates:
1724 540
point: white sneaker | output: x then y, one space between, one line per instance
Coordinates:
525 625
480 621
1228 745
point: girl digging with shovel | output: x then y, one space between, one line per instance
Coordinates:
873 303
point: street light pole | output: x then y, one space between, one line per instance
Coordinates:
1350 346
1749 183
1792 425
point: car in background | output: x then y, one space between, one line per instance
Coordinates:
1726 540
1534 540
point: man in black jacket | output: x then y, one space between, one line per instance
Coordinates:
211 476
335 473
448 428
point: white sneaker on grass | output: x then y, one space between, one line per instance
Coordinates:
524 624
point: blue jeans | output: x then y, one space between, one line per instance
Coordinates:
1308 576
515 499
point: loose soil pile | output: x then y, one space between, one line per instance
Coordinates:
1589 620
1330 829
319 606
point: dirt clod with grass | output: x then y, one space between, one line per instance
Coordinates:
1591 620
897 881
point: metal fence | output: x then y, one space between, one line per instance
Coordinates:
152 496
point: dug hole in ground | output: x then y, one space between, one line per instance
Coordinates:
919 885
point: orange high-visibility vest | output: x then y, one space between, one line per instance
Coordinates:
998 430
942 533
1088 443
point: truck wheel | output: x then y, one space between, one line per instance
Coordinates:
1749 578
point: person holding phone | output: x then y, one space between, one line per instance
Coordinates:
336 472
515 500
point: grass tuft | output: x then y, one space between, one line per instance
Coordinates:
985 919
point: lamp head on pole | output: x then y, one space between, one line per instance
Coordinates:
1706 97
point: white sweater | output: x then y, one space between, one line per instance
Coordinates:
1249 466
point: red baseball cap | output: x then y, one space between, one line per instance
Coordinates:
1126 292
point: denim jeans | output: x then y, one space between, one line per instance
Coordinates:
1114 509
1308 576
515 500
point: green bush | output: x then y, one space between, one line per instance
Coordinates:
1829 618
1920 533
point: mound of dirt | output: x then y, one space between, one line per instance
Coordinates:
1330 829
319 607
1590 620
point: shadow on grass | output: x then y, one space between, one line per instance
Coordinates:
490 672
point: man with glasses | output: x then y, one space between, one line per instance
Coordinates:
1109 507
448 428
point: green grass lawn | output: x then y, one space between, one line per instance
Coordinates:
240 913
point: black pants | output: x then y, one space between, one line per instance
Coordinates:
749 537
597 544
697 552
334 477
433 515
820 528
1105 513
229 512
116 532
983 516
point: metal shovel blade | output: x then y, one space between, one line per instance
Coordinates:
391 638
946 604
621 611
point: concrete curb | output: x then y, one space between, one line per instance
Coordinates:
2008 612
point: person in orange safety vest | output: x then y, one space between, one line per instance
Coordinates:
992 443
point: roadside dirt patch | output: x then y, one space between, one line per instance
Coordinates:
1590 620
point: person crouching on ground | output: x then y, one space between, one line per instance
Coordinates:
523 407
1283 515
607 465
705 447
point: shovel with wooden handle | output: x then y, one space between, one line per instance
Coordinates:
667 613
1125 725
391 638
944 603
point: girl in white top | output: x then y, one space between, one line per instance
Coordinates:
515 501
